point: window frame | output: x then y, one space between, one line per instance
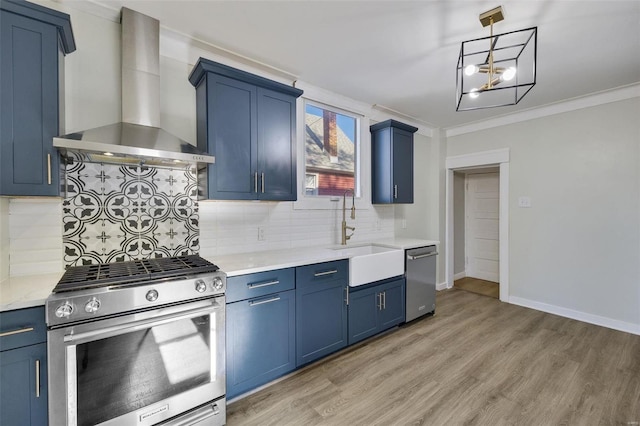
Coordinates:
362 175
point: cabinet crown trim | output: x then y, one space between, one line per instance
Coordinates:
392 123
49 16
204 66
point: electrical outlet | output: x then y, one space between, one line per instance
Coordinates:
261 236
404 223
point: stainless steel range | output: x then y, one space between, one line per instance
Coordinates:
138 343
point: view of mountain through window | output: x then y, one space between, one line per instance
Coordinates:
331 145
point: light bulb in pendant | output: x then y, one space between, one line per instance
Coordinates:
473 93
470 70
508 74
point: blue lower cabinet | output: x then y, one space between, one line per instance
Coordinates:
23 367
375 307
363 314
321 310
260 340
23 386
393 304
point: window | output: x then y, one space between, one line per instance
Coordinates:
311 184
331 151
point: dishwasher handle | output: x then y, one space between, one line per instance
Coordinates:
421 256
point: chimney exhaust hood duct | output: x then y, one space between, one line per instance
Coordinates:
138 138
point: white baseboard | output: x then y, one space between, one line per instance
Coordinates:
441 286
627 327
459 275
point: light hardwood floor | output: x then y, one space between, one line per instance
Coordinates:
477 361
476 285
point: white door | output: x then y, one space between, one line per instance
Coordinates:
482 226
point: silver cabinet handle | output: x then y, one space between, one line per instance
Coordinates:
49 169
421 256
379 296
384 300
262 302
395 191
19 331
263 284
347 291
255 182
262 180
322 274
37 378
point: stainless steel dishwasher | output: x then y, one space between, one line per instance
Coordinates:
420 266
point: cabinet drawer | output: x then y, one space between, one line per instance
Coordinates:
259 284
322 272
22 327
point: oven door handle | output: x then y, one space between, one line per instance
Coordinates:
140 325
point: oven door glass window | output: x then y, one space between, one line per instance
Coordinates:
126 372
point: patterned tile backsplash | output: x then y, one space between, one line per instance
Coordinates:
114 213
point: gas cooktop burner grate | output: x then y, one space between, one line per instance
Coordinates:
131 272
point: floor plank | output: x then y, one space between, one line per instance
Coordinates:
476 285
477 361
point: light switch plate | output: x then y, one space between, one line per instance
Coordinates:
524 202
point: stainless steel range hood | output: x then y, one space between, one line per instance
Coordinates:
138 138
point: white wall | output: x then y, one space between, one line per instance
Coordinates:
577 248
413 220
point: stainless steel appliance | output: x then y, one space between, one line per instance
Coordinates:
138 343
138 138
420 269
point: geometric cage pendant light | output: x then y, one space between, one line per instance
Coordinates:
497 70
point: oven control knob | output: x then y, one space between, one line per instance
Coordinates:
152 295
217 283
201 287
92 306
65 310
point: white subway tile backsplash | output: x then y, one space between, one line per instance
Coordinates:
36 266
35 236
225 227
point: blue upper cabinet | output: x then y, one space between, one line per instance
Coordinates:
32 41
249 124
392 162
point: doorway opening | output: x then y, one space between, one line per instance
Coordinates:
476 205
477 248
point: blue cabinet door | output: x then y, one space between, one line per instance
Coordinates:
28 106
402 165
364 308
375 307
276 146
393 304
321 310
23 386
392 162
260 341
230 126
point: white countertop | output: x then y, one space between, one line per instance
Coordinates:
32 290
248 263
26 291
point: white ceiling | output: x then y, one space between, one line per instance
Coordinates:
402 54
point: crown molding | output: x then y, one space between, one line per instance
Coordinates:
594 99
